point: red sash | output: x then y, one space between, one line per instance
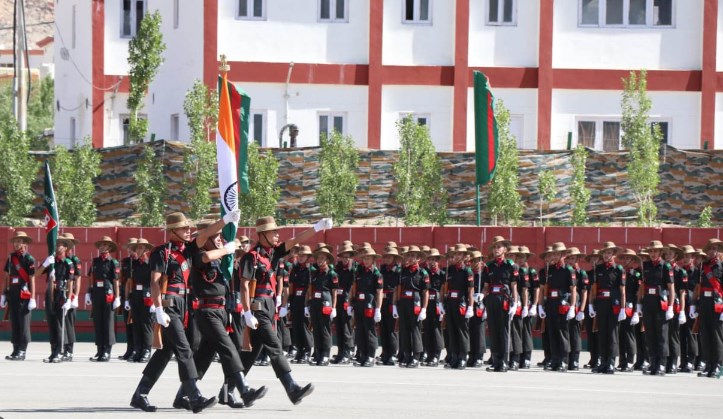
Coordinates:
178 257
714 283
21 270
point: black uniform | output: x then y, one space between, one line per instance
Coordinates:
574 326
477 341
389 336
368 282
20 266
342 322
656 278
527 342
432 335
609 278
498 276
236 307
126 275
413 284
710 307
460 280
141 302
592 334
323 284
517 330
71 314
282 274
299 281
680 278
64 270
104 272
689 342
628 341
560 280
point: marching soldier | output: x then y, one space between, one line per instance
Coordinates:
235 307
19 293
628 345
689 342
282 300
529 297
671 255
477 344
321 303
391 271
574 326
138 294
367 312
641 360
74 287
607 300
104 275
125 279
592 335
501 299
345 268
546 256
432 336
411 301
459 300
559 308
299 281
521 312
655 302
709 297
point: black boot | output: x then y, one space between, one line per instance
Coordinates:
195 399
181 401
140 397
248 394
295 392
13 354
97 355
226 397
145 356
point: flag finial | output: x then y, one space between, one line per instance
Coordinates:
224 68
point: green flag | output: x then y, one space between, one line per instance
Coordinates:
486 137
51 216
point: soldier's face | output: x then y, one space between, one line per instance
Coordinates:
217 241
321 260
624 260
133 251
183 233
555 257
521 259
687 259
412 259
571 259
713 252
104 248
499 250
607 255
433 262
368 260
245 246
389 260
302 259
19 245
61 247
654 253
594 260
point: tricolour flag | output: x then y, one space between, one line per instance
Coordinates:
231 155
486 137
51 217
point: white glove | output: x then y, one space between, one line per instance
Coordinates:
681 318
251 320
3 301
74 302
721 317
332 315
692 312
152 309
66 305
377 315
484 314
278 301
669 313
422 315
395 313
533 310
635 319
512 310
591 311
478 297
469 313
350 311
525 312
622 316
580 316
127 306
323 224
162 318
48 260
306 312
231 247
32 304
570 314
639 309
283 311
88 300
232 217
541 311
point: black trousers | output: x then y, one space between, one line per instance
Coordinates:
527 343
607 330
54 318
69 330
573 328
558 331
142 329
300 334
103 319
344 337
192 333
592 339
265 337
477 340
176 343
432 335
628 345
642 355
19 323
322 329
673 341
130 341
498 322
410 332
283 332
388 336
212 324
688 342
546 343
458 331
367 332
237 324
711 333
516 338
656 329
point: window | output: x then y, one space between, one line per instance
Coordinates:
252 9
257 127
417 11
333 10
664 130
175 13
422 119
502 12
611 136
517 129
125 125
586 133
131 16
330 122
73 135
626 13
599 133
174 126
72 29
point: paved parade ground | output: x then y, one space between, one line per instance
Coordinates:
82 389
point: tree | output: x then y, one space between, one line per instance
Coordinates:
418 173
578 192
144 59
41 112
151 187
263 191
338 180
643 145
199 160
706 217
18 170
74 174
548 189
504 201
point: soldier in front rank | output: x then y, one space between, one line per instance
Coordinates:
74 287
709 298
125 278
19 293
516 325
391 270
367 293
559 308
432 335
628 342
345 268
411 300
688 341
680 276
321 303
282 301
299 281
459 306
104 275
575 325
592 335
477 343
530 298
138 294
546 256
642 362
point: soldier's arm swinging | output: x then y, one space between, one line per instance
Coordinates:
156 288
380 297
515 294
671 294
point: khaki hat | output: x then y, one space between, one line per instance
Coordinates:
324 251
107 240
678 251
687 249
243 239
644 255
630 253
22 236
264 224
131 242
413 250
404 249
391 251
366 252
701 253
66 241
457 248
145 243
611 246
548 250
347 243
513 250
304 250
475 254
176 220
574 251
70 237
346 249
559 247
711 243
425 248
322 245
500 240
391 244
365 245
594 253
434 253
655 244
524 250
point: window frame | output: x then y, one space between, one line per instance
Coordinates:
73 134
416 116
176 13
501 13
262 142
133 18
602 10
121 118
599 142
331 115
332 12
416 12
73 27
175 126
249 5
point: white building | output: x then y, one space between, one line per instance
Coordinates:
360 65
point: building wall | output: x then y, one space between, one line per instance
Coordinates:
434 101
522 103
504 46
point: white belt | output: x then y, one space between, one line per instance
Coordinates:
408 293
361 296
299 293
554 293
139 287
317 295
707 293
99 283
453 294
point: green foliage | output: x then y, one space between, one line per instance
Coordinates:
263 191
418 173
73 178
41 112
706 217
151 187
18 170
547 186
338 181
504 201
578 192
144 59
643 146
199 159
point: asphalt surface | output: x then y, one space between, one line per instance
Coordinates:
82 389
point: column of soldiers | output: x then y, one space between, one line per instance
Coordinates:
659 311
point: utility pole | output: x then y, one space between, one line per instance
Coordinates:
20 85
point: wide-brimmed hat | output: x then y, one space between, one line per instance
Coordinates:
424 248
593 253
513 250
243 239
475 254
678 251
264 224
471 248
346 249
347 243
655 244
145 243
548 250
413 250
324 251
176 220
687 249
559 247
643 253
403 249
701 253
391 244
391 251
611 246
65 241
711 243
107 240
322 245
305 250
22 236
434 253
500 240
366 252
131 242
364 245
70 237
457 248
524 250
574 251
630 253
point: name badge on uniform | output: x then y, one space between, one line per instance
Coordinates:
299 293
317 295
139 287
606 293
495 289
339 291
408 293
554 294
652 291
361 296
99 283
707 293
16 280
453 294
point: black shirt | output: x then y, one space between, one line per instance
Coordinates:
560 278
16 281
174 261
658 274
500 273
261 264
207 278
461 279
390 274
299 280
414 278
141 272
609 277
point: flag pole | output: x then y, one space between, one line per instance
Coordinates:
476 189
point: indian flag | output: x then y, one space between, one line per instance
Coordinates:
231 154
486 137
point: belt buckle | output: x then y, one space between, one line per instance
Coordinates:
139 287
299 293
554 294
707 293
16 280
256 306
99 283
339 291
408 293
652 291
495 289
317 295
453 294
361 296
606 293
